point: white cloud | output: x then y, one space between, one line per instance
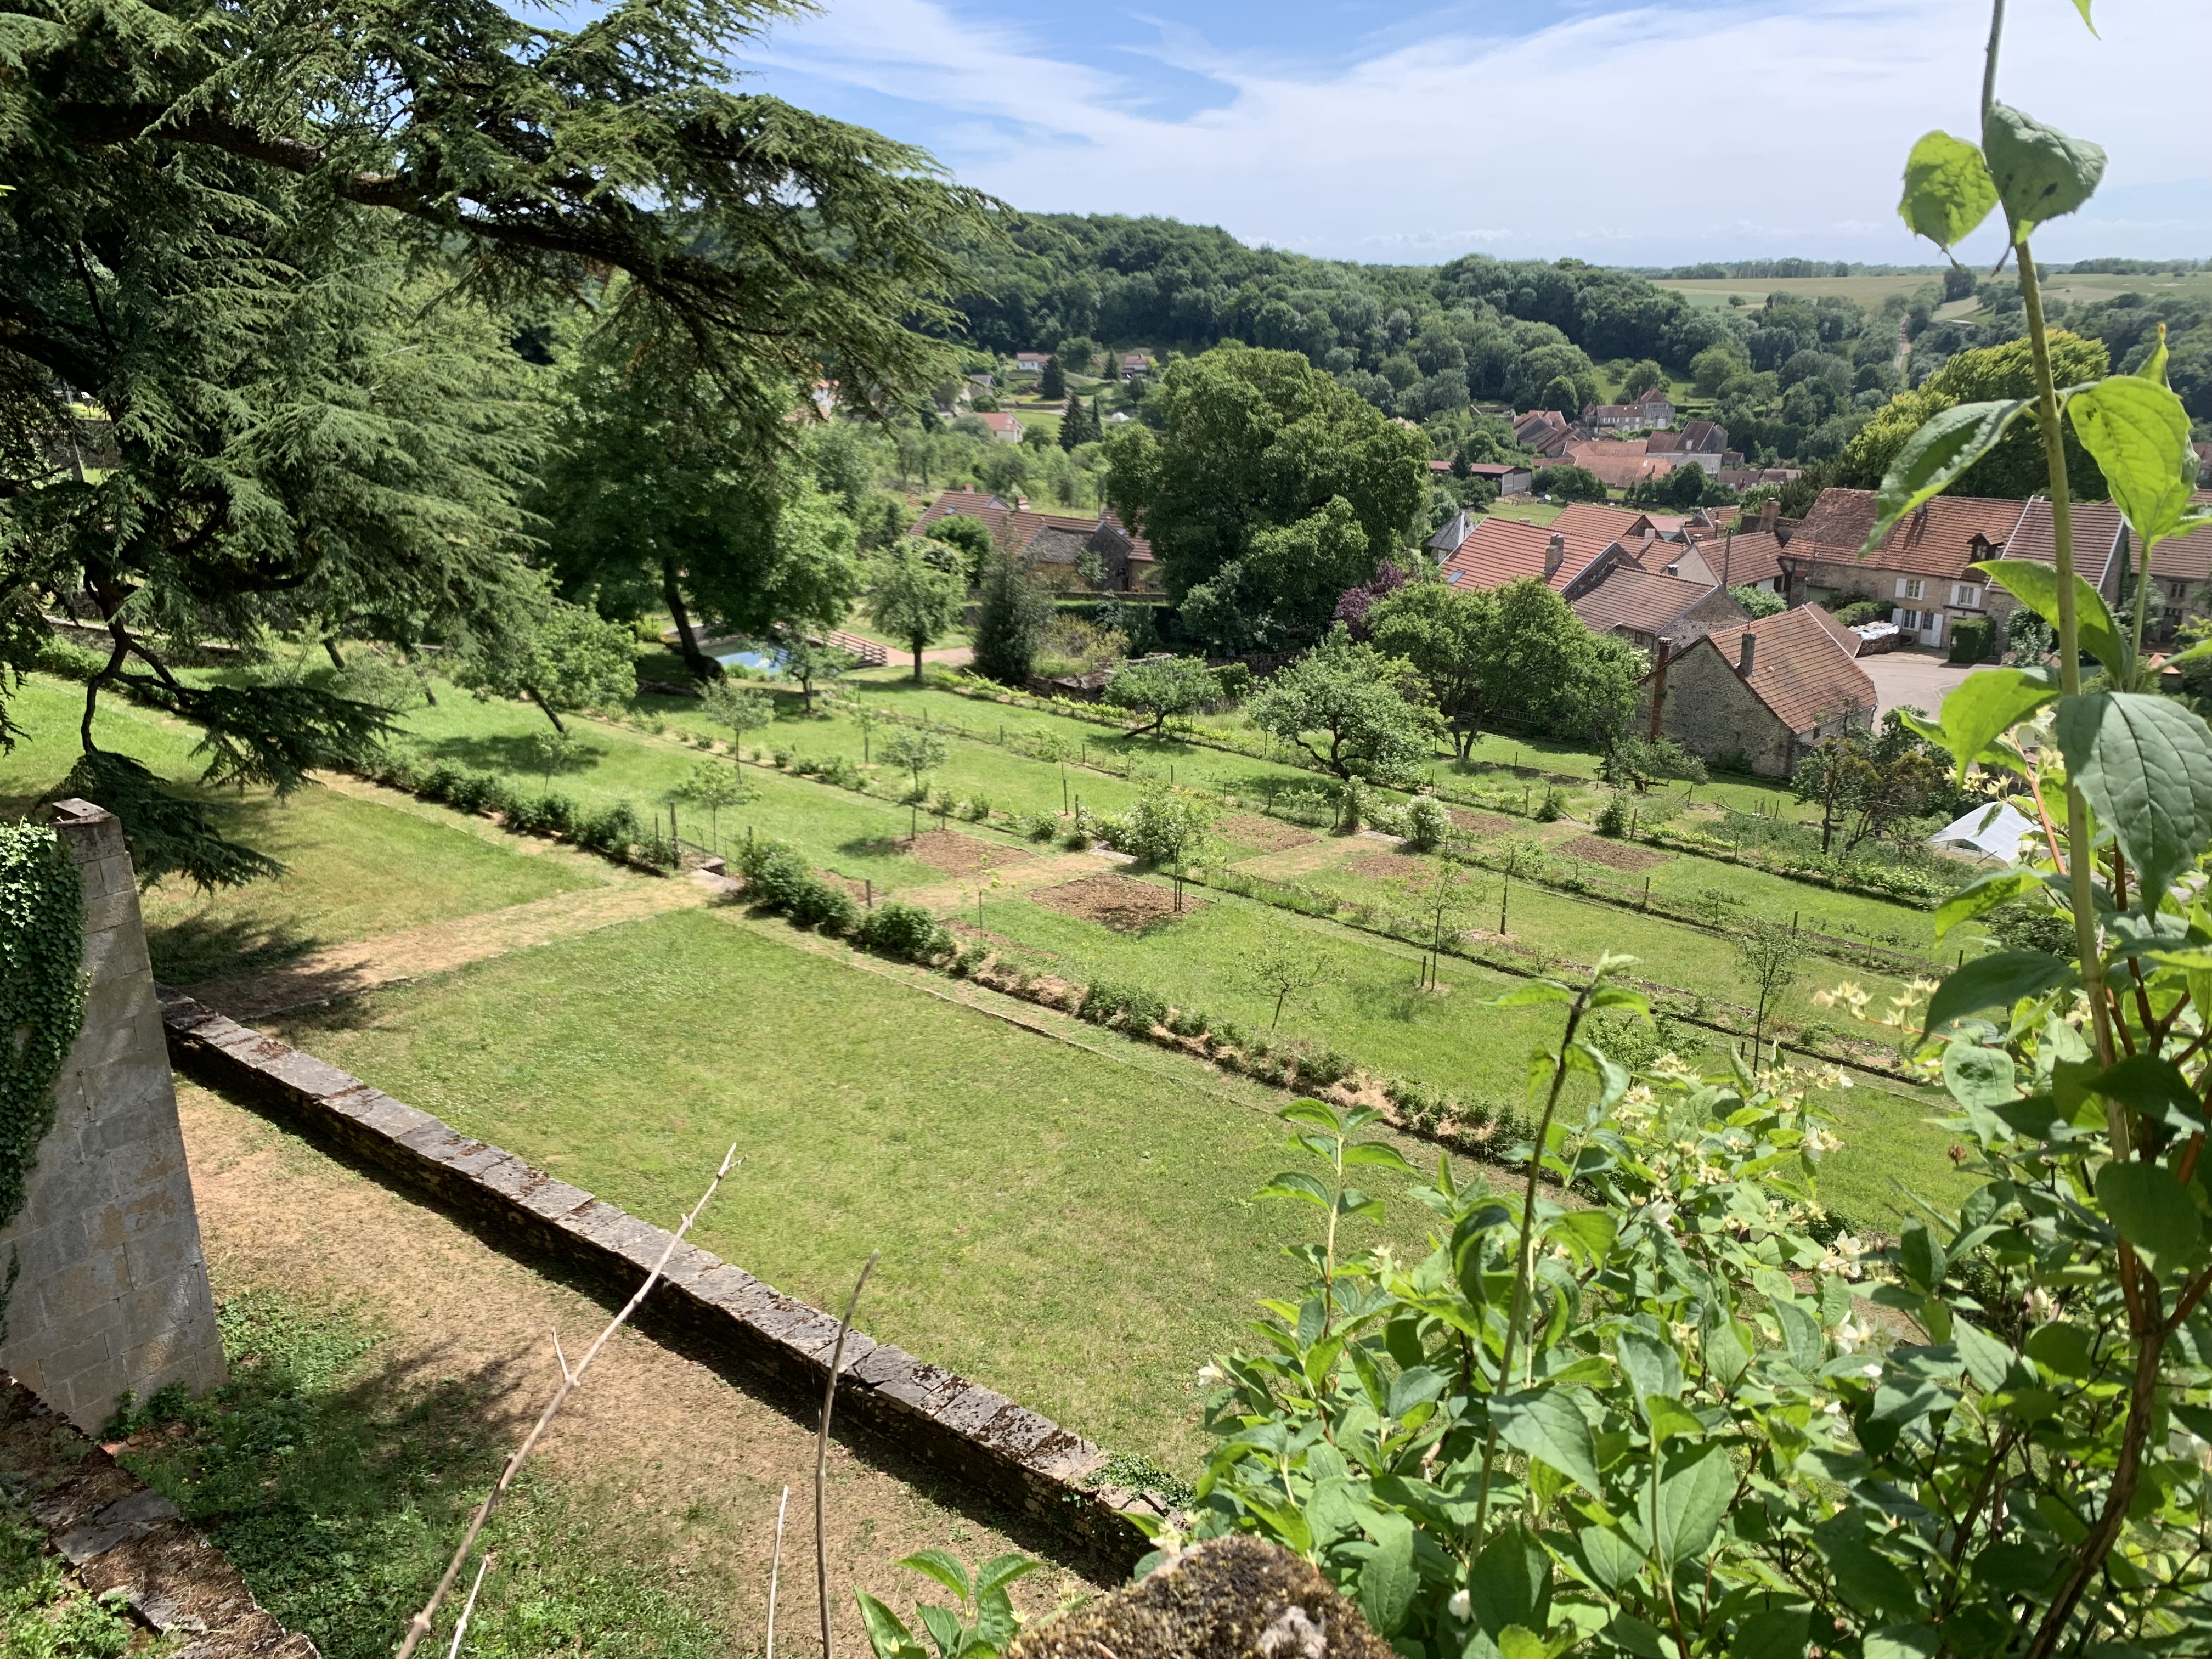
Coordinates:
1641 134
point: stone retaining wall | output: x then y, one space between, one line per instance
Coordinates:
1025 1461
116 1533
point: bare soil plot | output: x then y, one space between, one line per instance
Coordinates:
1615 855
955 854
1122 903
1267 835
672 1461
1482 823
1391 866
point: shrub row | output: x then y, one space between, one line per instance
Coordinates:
613 830
778 878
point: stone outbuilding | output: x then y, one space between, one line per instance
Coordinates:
1760 695
1649 609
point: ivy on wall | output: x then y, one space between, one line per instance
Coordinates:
41 992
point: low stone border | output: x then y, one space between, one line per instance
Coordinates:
117 1534
1025 1461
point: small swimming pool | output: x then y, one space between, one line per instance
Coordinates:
764 660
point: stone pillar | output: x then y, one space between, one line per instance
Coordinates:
107 1288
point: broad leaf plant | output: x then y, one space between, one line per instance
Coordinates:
1649 1401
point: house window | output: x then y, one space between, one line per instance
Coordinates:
1968 595
2170 619
1910 587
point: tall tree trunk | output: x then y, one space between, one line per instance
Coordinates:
917 665
331 649
548 709
697 663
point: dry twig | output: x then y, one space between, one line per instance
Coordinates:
822 1458
774 1564
469 1606
419 1625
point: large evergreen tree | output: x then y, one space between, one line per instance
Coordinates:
247 266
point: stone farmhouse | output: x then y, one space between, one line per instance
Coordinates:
1006 428
2181 577
1031 362
1546 431
1699 443
1652 610
1495 552
1765 692
1653 409
1136 365
1050 541
1922 568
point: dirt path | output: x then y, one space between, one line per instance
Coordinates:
1299 861
341 971
674 1462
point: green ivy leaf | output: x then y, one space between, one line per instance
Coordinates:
1943 447
1948 189
1545 1422
2036 587
2040 172
2145 764
1988 703
2153 1211
1996 981
2138 433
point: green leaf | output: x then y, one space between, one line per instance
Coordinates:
1510 1583
888 1636
1294 1183
1777 1633
946 1569
1921 1255
1996 981
1610 1560
943 1627
1988 703
1694 1492
1518 1642
1867 1579
1977 1076
1545 1422
1380 1154
1669 1421
1541 990
1653 1367
1948 189
2146 765
2061 1348
2153 1088
1387 1581
1944 447
1983 894
2036 585
2138 432
1001 1570
1633 1635
1800 1336
2040 172
2082 6
2153 1211
1901 1642
1988 1362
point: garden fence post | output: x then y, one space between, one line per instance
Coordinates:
870 886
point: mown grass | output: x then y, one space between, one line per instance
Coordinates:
1077 1233
354 869
337 1484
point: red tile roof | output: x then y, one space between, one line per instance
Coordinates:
1841 634
1500 550
2186 558
994 511
1799 670
1594 519
1740 558
1937 539
2097 528
1637 601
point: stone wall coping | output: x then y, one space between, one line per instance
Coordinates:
998 1447
117 1534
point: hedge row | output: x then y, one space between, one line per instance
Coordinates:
613 830
778 878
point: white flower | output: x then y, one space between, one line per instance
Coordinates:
2040 1306
1842 1257
1818 1140
1849 1335
1460 1606
1211 1372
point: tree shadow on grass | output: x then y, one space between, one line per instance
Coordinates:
200 946
513 753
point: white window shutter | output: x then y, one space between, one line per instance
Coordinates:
1900 587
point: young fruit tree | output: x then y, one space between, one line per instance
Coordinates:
1161 688
914 602
552 654
1353 709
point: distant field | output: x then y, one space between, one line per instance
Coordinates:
1867 290
1871 291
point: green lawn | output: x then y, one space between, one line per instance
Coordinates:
1076 1232
354 869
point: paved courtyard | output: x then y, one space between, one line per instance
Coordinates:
1917 678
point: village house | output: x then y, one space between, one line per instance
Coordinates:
1760 695
1507 477
2181 577
1922 568
1053 543
1701 443
1616 463
1006 428
1543 431
1653 409
1651 609
1495 552
1136 365
1031 362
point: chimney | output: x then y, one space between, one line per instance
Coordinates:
1555 553
1769 510
1743 657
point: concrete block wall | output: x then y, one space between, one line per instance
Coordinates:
980 1436
109 1288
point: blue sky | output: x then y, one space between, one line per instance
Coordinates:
1617 132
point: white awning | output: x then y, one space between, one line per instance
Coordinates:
1994 830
